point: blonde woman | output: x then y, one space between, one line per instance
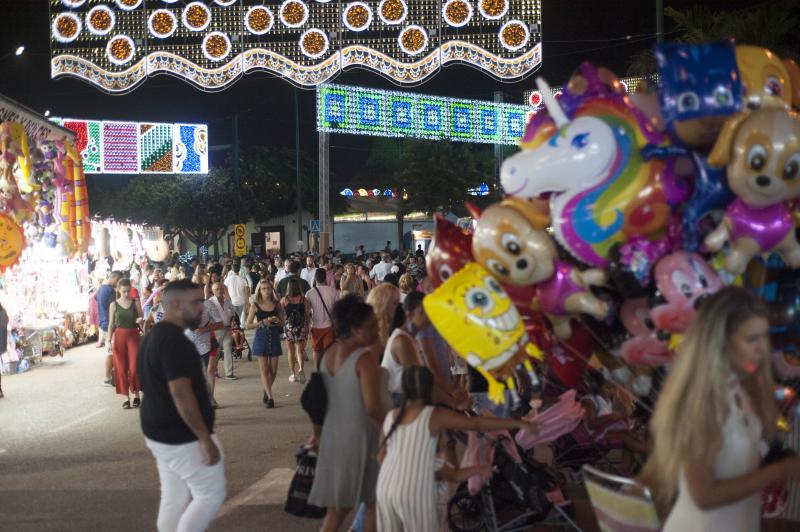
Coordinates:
266 316
350 282
407 284
385 300
713 413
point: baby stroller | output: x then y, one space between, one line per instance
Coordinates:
243 344
522 491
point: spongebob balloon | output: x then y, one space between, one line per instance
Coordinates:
477 318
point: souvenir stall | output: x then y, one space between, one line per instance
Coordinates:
44 235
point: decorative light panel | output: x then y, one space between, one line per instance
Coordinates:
108 147
631 84
117 44
362 111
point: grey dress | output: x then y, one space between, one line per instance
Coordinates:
347 465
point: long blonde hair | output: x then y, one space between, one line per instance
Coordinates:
384 299
259 299
692 407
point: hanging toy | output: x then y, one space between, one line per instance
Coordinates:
476 317
450 250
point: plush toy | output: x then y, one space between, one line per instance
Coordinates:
761 152
683 280
511 242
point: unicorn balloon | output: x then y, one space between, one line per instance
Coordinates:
602 191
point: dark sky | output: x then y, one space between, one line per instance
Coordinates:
573 30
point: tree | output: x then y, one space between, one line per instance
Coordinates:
428 176
771 25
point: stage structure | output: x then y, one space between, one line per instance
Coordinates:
112 147
117 44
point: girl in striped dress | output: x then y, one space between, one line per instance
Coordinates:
406 492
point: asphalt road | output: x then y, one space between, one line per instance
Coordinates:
72 459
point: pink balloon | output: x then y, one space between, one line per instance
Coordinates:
645 348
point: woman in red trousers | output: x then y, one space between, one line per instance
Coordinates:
123 329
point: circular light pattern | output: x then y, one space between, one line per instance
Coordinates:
413 40
493 9
294 13
225 3
196 16
259 20
514 35
314 43
100 20
66 27
170 1
357 16
535 99
393 11
216 46
120 49
162 23
457 13
128 5
73 3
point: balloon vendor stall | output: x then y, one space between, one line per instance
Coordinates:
44 235
621 213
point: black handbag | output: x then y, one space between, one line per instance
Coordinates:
300 488
314 398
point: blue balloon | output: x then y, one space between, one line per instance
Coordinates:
711 192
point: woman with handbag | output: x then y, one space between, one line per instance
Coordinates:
347 468
266 316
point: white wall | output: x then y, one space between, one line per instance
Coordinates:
373 235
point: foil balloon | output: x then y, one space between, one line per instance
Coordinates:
602 190
476 317
764 76
511 242
761 153
683 280
647 346
793 69
450 250
696 99
12 242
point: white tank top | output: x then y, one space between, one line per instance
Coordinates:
394 368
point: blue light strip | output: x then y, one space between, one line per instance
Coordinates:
380 113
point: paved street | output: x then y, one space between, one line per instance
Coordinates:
72 459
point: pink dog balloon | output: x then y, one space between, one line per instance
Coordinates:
684 280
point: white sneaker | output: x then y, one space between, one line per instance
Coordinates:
292 378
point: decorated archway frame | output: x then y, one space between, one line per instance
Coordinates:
211 45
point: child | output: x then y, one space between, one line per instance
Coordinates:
237 335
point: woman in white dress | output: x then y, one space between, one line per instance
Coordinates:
713 415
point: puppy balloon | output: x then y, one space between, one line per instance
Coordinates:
761 152
510 241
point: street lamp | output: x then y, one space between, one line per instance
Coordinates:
47 113
19 51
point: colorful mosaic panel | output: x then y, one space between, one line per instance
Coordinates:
116 45
155 148
191 149
120 148
355 110
87 142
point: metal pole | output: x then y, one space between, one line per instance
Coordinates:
235 166
498 150
660 20
297 164
325 228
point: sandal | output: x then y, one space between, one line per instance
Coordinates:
126 405
136 402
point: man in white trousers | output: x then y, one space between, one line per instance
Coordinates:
177 418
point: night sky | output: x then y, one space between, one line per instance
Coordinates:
573 30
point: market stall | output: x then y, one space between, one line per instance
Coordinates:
44 236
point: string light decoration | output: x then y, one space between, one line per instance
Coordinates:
632 84
357 16
162 23
212 43
259 20
110 147
381 113
100 20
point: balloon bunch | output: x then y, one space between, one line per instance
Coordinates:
622 213
43 191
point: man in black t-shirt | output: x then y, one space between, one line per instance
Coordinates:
176 414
